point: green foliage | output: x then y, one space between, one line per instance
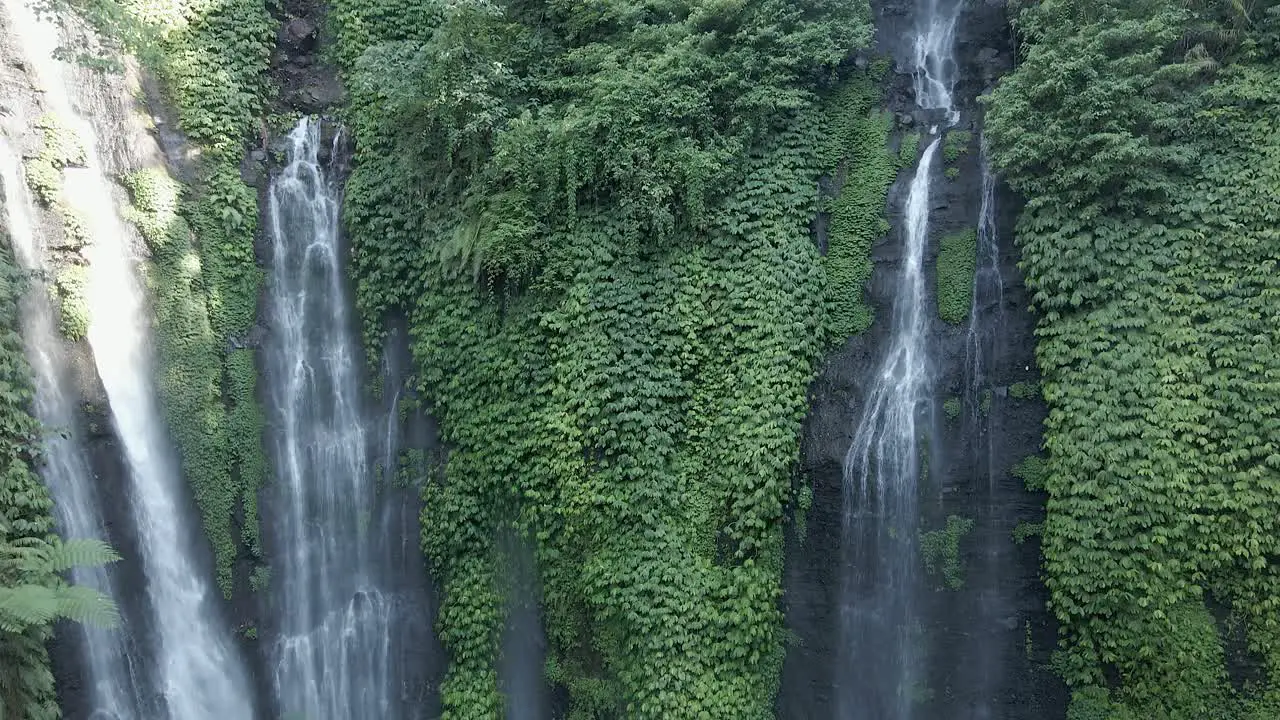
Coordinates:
1142 135
59 148
957 260
955 145
940 550
73 306
951 173
909 150
859 156
26 683
1024 530
1091 703
952 407
984 402
803 504
1024 390
1033 471
33 596
260 579
32 593
632 186
646 108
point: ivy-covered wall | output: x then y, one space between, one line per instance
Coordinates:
598 219
1143 137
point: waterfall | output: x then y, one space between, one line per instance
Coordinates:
199 674
111 676
986 314
933 59
881 635
334 658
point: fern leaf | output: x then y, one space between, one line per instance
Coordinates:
67 554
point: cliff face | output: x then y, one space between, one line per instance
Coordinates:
988 642
127 146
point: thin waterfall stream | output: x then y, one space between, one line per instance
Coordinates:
983 347
334 655
881 643
112 675
198 670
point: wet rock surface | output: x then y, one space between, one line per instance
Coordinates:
307 83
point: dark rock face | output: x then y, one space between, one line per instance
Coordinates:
412 451
298 36
306 82
987 644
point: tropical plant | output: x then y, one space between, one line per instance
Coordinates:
32 593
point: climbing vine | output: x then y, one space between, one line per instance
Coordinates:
940 550
598 220
856 153
1142 135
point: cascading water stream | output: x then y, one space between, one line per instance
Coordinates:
881 665
199 673
334 657
111 677
933 58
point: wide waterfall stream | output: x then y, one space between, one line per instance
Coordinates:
337 617
198 672
881 645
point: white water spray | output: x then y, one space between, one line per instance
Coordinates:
333 659
986 315
933 59
199 673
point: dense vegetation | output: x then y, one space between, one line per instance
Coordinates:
1142 133
597 219
32 593
957 260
